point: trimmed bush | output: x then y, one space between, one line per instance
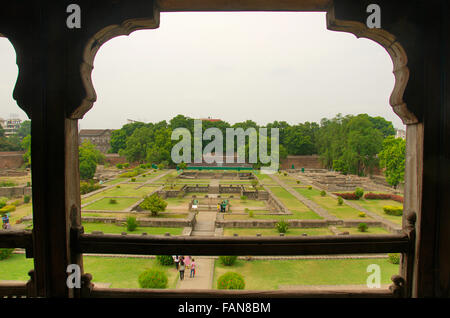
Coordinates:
119 166
346 196
323 193
285 174
118 186
243 197
126 165
3 201
359 192
165 260
393 210
133 179
340 200
7 208
26 199
383 196
231 280
362 227
16 203
153 278
5 253
228 260
132 224
86 187
394 258
362 214
112 201
309 188
298 181
282 226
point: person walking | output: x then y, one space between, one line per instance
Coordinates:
192 275
177 261
181 269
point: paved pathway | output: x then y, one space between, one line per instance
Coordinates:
203 275
205 224
310 204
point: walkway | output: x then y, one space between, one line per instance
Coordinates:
203 277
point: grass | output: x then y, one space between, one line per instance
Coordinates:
376 206
114 229
298 209
21 211
330 204
270 274
370 230
274 232
125 190
120 272
103 204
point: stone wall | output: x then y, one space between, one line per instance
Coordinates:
113 159
14 192
146 222
11 159
307 162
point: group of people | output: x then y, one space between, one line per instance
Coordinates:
222 206
5 220
184 262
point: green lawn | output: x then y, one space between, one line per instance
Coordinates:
114 229
376 206
370 230
104 204
124 190
114 181
120 272
261 274
298 209
330 204
274 232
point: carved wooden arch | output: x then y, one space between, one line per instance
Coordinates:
380 36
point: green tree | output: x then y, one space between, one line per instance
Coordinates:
153 203
24 129
89 157
392 159
26 145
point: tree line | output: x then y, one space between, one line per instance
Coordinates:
351 144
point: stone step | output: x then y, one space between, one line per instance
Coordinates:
202 233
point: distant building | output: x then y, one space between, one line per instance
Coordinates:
400 133
11 126
99 137
210 119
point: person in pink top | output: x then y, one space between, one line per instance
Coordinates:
187 261
192 269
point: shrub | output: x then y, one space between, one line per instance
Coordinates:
5 253
383 196
282 226
153 278
394 258
340 201
323 193
7 184
126 165
8 208
132 224
309 188
393 210
26 199
359 192
118 186
16 203
251 214
298 181
362 227
86 187
3 201
243 197
165 260
347 196
112 201
228 260
133 179
231 280
154 203
362 214
119 166
285 174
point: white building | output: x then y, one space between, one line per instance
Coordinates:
400 133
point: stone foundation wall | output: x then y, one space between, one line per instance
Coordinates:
146 222
11 159
307 162
14 192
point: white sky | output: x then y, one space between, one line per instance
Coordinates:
232 66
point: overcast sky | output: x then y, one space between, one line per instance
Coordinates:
232 66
